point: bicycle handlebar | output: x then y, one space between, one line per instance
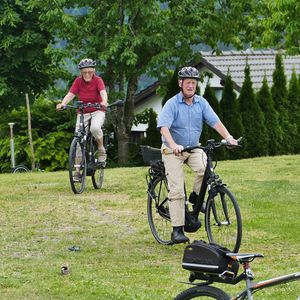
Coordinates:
82 105
212 144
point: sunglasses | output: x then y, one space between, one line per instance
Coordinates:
87 72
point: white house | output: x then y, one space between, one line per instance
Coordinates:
261 63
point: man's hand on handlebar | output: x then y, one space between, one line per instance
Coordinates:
177 149
231 141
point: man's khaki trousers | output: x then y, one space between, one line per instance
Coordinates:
175 175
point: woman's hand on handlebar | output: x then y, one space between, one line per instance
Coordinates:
60 106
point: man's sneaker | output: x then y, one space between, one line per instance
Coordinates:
102 155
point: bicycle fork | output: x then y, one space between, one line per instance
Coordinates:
212 194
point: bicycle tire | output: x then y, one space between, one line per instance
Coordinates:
158 211
97 168
224 228
98 177
20 169
77 166
203 292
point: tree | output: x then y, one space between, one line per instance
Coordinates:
278 25
26 58
266 103
51 137
135 37
208 132
172 87
279 93
230 113
153 137
294 111
253 120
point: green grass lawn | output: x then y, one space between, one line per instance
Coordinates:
119 258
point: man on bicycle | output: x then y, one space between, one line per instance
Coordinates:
180 123
89 88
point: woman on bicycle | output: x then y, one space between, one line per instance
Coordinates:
180 123
89 88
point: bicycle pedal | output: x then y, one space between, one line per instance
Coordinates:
101 164
77 178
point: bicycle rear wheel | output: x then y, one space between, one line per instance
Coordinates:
223 221
20 169
158 211
203 292
77 166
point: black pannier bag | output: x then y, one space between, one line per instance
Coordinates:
209 262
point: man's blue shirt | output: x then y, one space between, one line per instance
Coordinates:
184 121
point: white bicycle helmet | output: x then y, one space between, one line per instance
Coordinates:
189 72
87 63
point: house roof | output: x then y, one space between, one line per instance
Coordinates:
147 92
261 63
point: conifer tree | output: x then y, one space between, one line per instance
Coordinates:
294 111
253 120
266 103
279 94
231 116
172 87
153 137
207 131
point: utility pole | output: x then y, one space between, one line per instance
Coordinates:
12 146
29 133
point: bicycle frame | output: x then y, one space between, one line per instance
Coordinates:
209 182
252 287
248 276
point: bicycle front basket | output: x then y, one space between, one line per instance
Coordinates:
150 154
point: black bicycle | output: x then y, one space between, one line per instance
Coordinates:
223 222
204 289
83 154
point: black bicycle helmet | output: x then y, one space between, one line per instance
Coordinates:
87 63
189 72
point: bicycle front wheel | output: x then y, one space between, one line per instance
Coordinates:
158 211
203 292
98 177
77 166
223 220
97 167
